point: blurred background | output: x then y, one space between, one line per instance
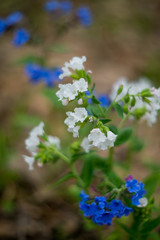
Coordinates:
120 38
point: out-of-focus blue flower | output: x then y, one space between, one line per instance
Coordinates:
34 72
14 18
2 26
66 7
20 37
37 73
104 99
100 211
133 186
51 6
84 15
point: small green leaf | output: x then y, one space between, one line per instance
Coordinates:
147 227
151 183
129 231
95 100
113 129
93 87
119 109
105 120
114 178
63 179
89 79
123 136
74 76
94 110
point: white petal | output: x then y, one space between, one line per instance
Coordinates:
29 161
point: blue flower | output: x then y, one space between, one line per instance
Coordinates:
50 76
14 18
104 99
117 207
2 26
89 209
66 7
34 72
127 210
84 15
51 6
132 186
105 218
84 196
21 36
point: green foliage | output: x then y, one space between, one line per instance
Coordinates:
62 179
119 109
96 112
105 120
151 183
123 135
50 94
87 170
30 59
149 226
136 144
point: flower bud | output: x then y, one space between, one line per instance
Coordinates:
120 89
80 101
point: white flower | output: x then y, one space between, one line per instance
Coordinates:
67 91
70 120
75 131
143 202
81 85
55 141
76 63
96 137
38 131
80 114
29 161
65 102
111 137
66 73
85 144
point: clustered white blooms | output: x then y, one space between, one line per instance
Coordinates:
69 91
74 63
33 141
134 88
79 115
98 139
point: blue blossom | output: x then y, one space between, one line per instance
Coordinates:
2 26
66 7
133 186
21 36
100 211
51 6
84 15
14 18
37 73
104 99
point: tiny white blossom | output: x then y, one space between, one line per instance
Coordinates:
81 85
121 81
70 120
55 141
96 137
29 161
111 137
38 131
85 144
75 131
80 114
66 73
31 144
67 91
76 63
90 119
143 202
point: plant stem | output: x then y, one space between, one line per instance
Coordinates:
110 160
124 120
103 114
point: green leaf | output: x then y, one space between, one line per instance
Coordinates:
94 110
30 59
123 136
89 79
136 144
129 231
62 179
114 178
151 183
119 109
93 87
105 120
147 227
87 170
95 100
113 129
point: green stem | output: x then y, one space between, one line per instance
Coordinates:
124 120
110 160
103 114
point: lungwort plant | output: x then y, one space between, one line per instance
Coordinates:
105 197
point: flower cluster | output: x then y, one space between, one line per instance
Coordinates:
133 186
21 36
98 139
33 143
57 9
77 117
37 73
102 212
146 98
